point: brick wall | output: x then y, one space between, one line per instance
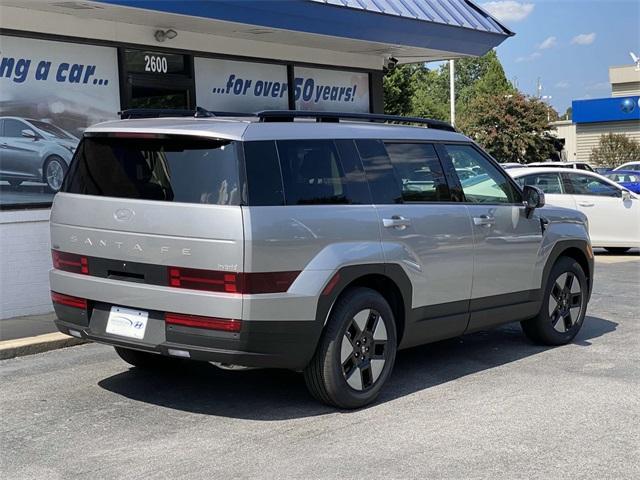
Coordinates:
25 260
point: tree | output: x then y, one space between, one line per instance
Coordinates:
399 86
568 114
615 149
512 127
430 97
420 91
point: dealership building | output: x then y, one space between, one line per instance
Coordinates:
594 117
65 65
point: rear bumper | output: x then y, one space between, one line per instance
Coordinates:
267 344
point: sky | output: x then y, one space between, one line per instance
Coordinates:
569 44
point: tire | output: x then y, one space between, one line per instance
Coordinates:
356 352
148 361
15 183
617 250
563 306
53 172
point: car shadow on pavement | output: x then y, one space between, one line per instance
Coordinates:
269 395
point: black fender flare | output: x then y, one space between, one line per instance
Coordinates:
350 273
556 252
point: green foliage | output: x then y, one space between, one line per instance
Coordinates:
615 149
399 88
512 127
568 114
417 90
489 109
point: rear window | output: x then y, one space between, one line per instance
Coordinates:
171 169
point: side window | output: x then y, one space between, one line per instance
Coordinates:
13 128
1 128
488 185
588 185
547 182
419 172
379 172
312 173
264 180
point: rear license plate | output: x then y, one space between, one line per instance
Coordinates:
127 322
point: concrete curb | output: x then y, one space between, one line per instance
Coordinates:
38 344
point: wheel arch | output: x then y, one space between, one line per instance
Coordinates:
578 250
388 280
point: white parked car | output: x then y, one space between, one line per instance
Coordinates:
612 210
629 166
574 165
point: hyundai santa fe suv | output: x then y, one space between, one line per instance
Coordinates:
313 244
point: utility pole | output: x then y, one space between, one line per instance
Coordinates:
539 88
452 91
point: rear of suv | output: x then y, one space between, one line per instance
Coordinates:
319 246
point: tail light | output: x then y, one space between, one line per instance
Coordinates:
209 323
68 300
231 282
70 262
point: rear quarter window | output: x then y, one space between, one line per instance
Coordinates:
313 173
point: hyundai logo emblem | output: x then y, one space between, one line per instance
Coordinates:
123 214
627 105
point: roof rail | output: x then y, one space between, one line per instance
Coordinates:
164 112
199 112
290 115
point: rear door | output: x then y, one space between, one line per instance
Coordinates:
425 232
553 187
506 239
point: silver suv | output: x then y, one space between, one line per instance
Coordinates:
313 244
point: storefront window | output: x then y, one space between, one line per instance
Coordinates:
51 91
158 80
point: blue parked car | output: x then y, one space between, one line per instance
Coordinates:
629 179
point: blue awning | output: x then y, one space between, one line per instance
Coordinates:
418 29
457 13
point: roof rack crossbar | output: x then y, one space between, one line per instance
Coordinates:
290 115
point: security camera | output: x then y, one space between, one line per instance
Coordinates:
162 35
390 64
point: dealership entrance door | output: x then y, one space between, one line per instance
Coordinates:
156 80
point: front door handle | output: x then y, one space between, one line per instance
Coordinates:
484 220
586 204
397 221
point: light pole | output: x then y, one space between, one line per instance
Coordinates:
452 92
547 97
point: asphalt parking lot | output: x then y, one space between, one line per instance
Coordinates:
488 405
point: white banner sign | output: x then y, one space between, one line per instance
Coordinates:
331 90
68 85
226 85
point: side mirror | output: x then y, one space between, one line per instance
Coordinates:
533 197
626 196
28 133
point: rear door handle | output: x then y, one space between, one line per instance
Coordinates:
484 220
396 221
586 204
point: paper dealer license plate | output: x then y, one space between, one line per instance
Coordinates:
127 322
